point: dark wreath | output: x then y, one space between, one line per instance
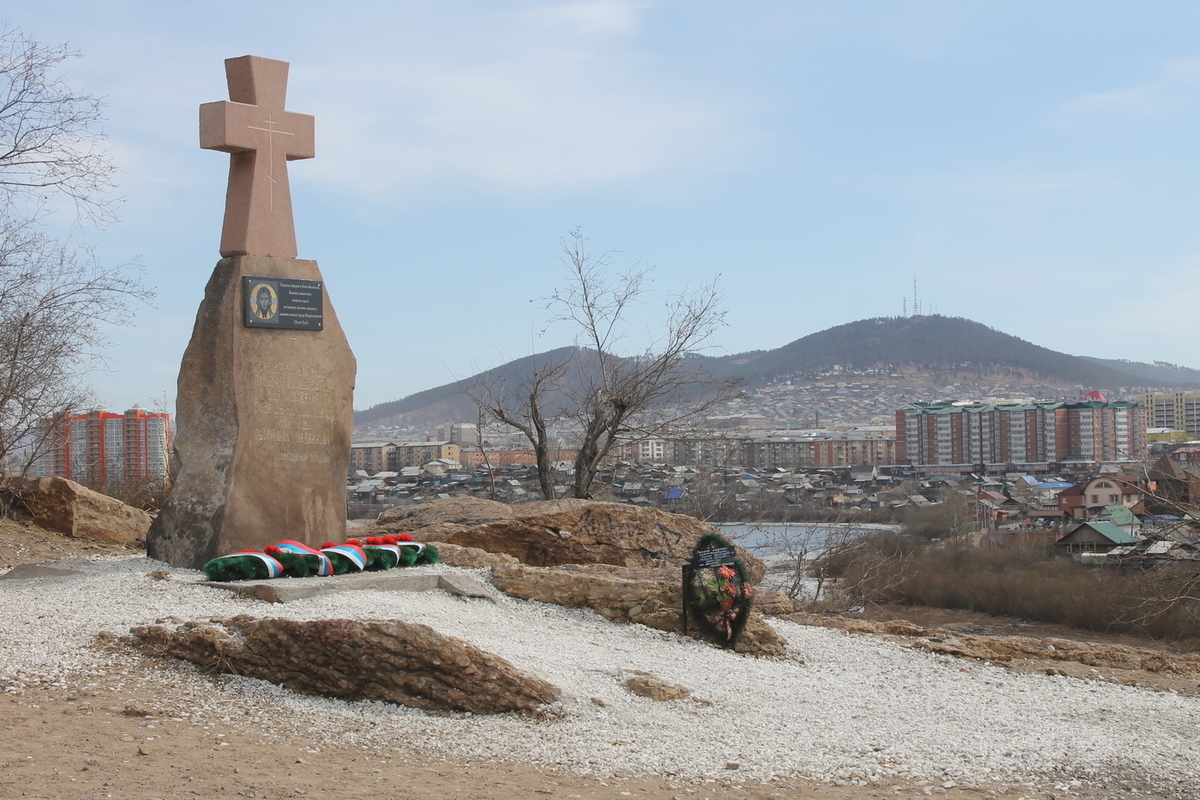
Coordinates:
718 597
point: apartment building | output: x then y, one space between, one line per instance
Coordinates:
1019 433
371 457
418 454
101 448
506 457
818 449
460 433
1178 411
785 449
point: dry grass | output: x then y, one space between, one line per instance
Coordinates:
1028 583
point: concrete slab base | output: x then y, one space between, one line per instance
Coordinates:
286 590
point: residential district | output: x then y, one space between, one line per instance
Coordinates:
1097 477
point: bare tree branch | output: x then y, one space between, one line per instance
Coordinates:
622 397
518 401
56 299
51 141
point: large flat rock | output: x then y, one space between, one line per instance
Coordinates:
553 533
74 510
386 660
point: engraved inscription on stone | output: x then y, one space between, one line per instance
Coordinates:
291 412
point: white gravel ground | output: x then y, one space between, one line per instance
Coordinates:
840 708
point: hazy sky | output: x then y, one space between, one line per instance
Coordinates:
1032 164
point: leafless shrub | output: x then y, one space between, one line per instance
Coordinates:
1163 601
868 569
809 561
148 494
1027 583
948 520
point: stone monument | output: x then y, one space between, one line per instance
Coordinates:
264 404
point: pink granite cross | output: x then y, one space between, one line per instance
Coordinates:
261 138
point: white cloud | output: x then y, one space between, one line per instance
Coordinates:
597 17
540 96
551 99
1176 85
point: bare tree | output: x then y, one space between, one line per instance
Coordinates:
607 395
624 396
55 301
520 401
55 297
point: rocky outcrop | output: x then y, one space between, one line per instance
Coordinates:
390 660
773 604
653 603
1006 648
444 517
556 532
454 555
75 510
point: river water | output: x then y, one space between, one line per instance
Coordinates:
788 548
769 538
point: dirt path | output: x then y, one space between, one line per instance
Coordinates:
63 744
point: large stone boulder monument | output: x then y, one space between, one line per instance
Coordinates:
264 404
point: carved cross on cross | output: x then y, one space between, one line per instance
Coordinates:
261 138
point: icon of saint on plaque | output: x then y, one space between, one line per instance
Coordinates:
264 301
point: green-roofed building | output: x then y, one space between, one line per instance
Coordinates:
1094 537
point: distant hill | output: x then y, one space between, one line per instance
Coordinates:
1159 373
925 344
451 401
